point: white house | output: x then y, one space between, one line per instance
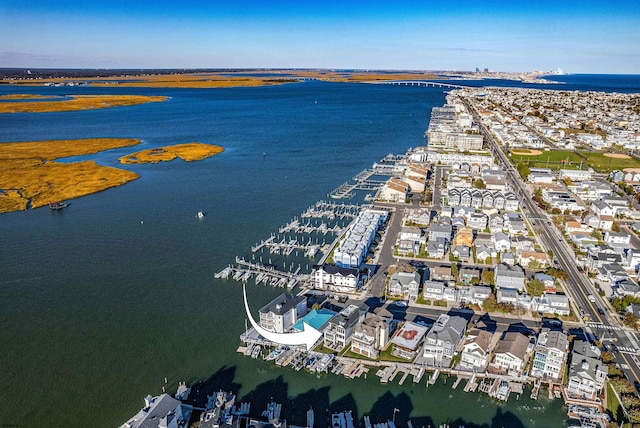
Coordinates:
336 279
550 354
511 353
283 312
475 350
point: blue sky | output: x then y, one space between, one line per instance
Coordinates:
579 36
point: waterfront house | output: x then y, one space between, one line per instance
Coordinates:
511 353
475 350
162 411
550 355
509 277
335 279
338 331
370 336
404 285
353 248
395 190
283 312
407 339
587 373
442 339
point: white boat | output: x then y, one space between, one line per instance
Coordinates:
224 273
335 420
200 215
256 351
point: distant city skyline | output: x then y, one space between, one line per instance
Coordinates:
580 37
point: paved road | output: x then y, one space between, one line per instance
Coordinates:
579 286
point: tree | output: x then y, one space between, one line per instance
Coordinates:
630 320
490 304
454 270
535 287
615 227
523 170
557 274
487 276
478 183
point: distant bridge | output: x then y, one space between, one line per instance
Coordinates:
419 83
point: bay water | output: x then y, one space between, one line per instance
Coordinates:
104 300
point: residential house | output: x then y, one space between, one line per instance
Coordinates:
436 249
633 259
507 258
475 350
439 230
407 339
467 275
162 411
479 293
338 331
483 252
405 285
532 258
283 312
371 335
335 279
477 221
395 190
441 341
507 296
547 280
550 355
511 202
509 277
461 252
552 303
601 208
511 353
496 223
587 373
433 290
442 273
626 288
501 242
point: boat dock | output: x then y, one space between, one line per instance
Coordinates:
244 270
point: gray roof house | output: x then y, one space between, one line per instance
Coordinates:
443 338
549 354
475 351
337 332
283 312
405 285
509 277
370 335
587 373
436 230
162 411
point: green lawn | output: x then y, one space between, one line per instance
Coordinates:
553 159
386 356
550 159
601 163
613 405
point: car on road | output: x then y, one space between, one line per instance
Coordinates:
601 311
591 298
